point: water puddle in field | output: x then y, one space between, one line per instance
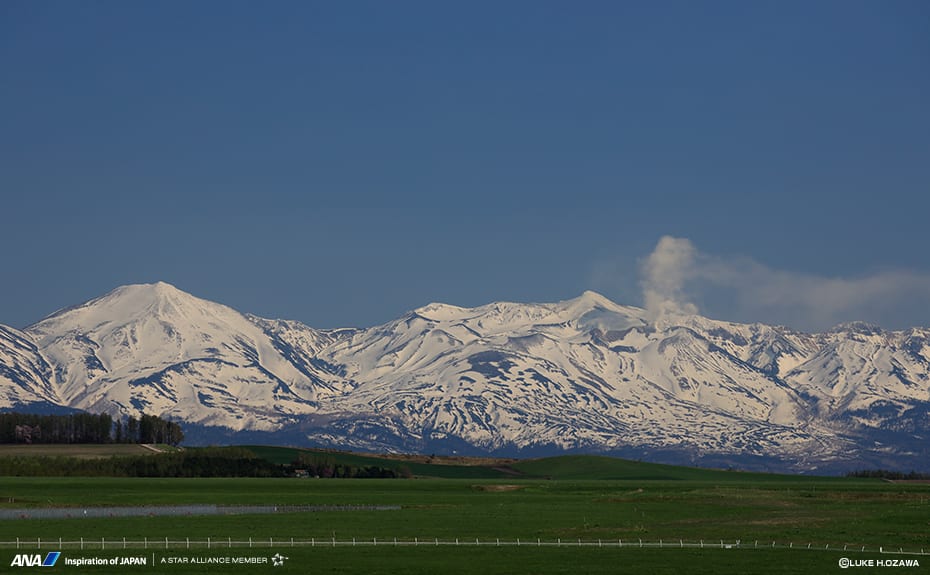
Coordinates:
179 510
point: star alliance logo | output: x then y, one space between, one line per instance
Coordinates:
278 560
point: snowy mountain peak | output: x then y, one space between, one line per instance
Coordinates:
442 312
859 327
129 303
593 299
505 377
591 310
154 347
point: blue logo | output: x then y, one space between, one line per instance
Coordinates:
51 558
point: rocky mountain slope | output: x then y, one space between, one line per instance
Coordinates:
505 378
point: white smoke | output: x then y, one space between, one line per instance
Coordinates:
665 274
676 274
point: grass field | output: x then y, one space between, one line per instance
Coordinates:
816 511
89 451
584 467
567 499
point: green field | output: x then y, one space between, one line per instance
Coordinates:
88 451
586 499
583 467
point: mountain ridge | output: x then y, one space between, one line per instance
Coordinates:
585 374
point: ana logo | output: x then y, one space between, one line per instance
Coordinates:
35 560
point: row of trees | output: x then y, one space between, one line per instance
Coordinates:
87 428
148 429
890 475
317 466
191 462
71 428
203 462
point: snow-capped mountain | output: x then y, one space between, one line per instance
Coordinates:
25 376
505 378
156 349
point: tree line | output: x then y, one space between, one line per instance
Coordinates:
87 428
889 475
191 462
202 462
324 466
148 429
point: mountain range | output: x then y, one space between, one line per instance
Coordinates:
509 379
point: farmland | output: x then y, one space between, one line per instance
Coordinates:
597 502
88 451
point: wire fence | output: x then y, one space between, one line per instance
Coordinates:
166 543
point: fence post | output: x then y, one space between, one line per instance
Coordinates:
166 542
39 543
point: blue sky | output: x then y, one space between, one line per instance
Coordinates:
340 163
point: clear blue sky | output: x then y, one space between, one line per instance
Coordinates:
339 163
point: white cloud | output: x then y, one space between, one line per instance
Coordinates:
676 276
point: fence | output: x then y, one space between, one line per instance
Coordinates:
104 544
